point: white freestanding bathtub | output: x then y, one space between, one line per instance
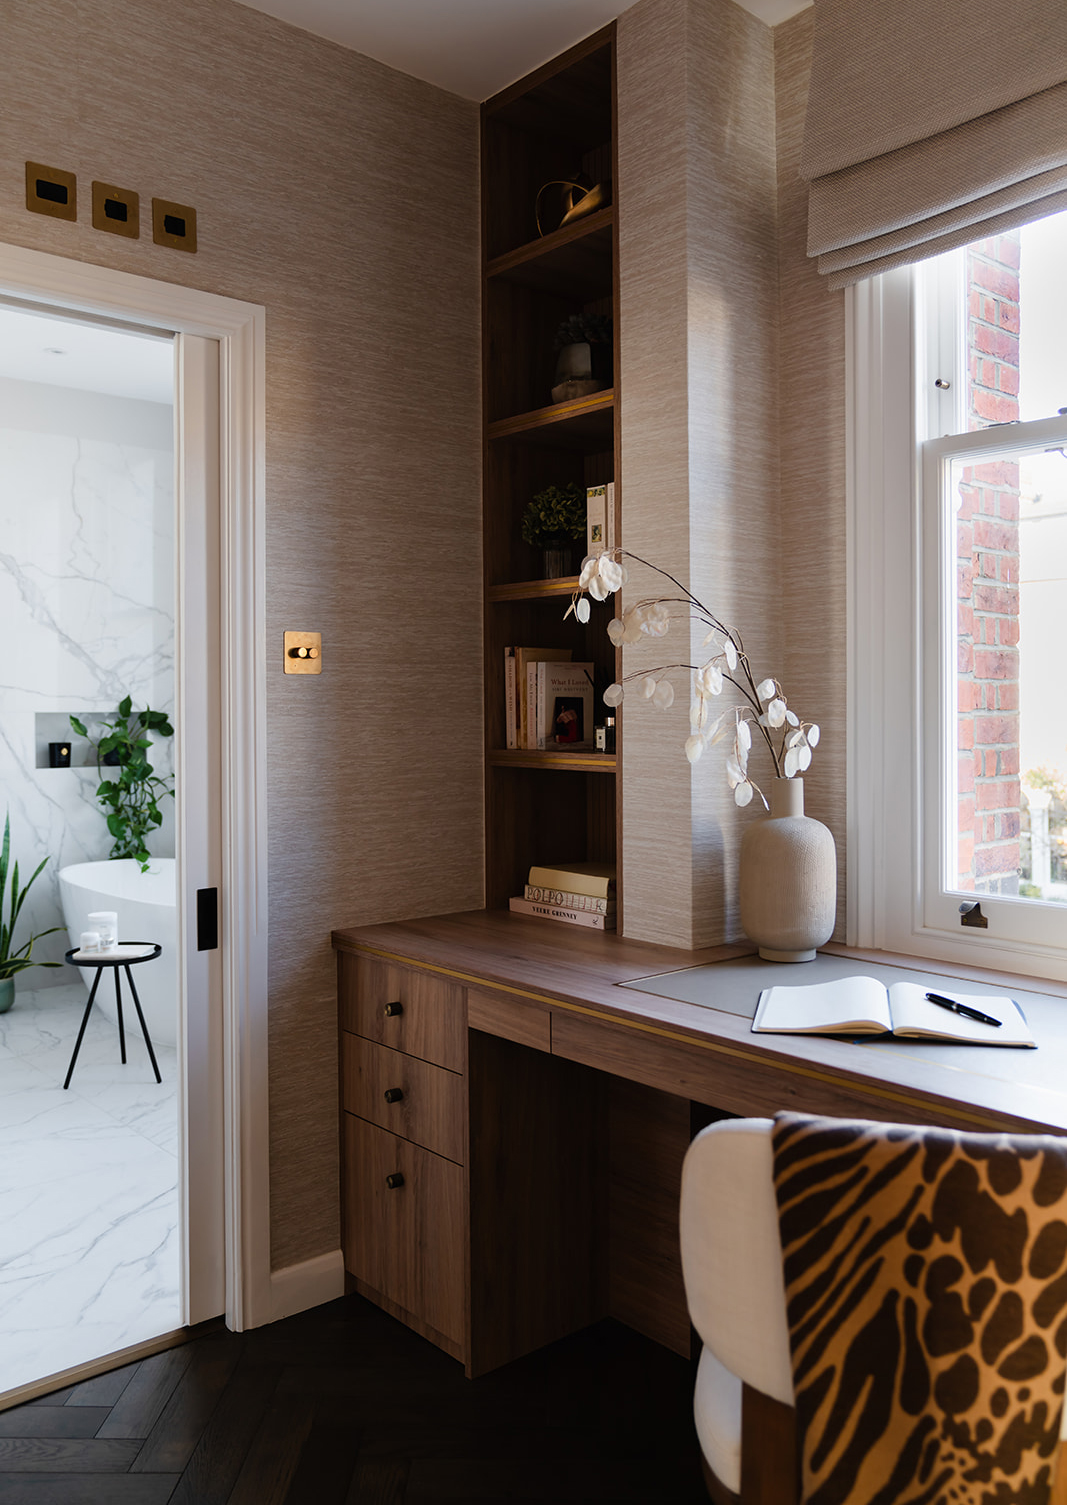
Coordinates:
145 904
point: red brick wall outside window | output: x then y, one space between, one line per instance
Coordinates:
988 585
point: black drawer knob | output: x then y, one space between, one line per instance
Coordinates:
395 1181
394 1094
393 1010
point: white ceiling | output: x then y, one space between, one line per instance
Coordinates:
471 47
87 356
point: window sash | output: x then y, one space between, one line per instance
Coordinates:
895 899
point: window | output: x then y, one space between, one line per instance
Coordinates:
958 785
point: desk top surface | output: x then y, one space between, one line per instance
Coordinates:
707 999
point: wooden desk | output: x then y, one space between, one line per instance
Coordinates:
546 1104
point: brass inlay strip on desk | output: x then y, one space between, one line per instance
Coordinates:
812 1073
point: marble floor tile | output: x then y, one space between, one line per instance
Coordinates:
89 1232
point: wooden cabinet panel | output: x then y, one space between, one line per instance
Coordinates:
412 1011
525 1023
430 1108
405 1241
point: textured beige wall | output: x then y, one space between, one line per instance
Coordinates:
343 197
812 407
699 333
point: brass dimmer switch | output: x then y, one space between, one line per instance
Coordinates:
303 653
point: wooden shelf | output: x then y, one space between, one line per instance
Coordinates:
534 590
572 425
582 762
575 261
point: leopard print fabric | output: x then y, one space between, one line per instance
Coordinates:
926 1291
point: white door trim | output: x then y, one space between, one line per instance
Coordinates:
240 329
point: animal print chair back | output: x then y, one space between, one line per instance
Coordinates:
926 1291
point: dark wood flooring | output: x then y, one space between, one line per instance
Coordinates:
344 1406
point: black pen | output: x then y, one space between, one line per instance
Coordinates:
962 1008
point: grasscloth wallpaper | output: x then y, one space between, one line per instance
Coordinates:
699 342
812 426
343 197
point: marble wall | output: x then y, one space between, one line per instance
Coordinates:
86 614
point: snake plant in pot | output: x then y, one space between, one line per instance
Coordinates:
15 959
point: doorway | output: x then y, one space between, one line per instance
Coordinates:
220 1059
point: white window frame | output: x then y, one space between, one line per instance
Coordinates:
896 725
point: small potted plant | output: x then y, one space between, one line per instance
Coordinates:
583 359
15 959
553 518
132 799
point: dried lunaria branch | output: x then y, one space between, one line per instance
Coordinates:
788 739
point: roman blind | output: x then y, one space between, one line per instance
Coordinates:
930 124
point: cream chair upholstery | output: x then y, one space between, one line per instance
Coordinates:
732 1267
731 1264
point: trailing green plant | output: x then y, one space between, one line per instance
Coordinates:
554 516
583 329
12 960
132 799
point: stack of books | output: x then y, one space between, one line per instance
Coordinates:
548 701
577 893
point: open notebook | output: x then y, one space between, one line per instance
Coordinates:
865 1006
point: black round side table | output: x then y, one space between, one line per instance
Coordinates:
100 961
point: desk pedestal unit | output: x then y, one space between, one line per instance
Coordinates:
513 1123
85 959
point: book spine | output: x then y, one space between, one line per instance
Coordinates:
609 515
596 519
563 899
541 738
531 705
566 916
511 706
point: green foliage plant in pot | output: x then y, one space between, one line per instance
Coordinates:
552 520
14 960
132 799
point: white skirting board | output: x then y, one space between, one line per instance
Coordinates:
310 1283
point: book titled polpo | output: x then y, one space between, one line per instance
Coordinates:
564 899
567 916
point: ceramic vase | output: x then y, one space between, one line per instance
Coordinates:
7 993
788 878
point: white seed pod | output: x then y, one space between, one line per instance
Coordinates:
581 611
694 748
613 694
743 793
664 695
766 689
813 735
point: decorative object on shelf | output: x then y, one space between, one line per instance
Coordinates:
59 754
788 880
574 201
131 800
552 520
14 960
583 361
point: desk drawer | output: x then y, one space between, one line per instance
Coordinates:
430 1107
426 1016
406 1241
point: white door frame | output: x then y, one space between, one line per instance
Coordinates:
240 329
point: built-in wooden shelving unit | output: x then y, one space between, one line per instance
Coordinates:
557 805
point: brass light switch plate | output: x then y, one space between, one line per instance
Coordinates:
50 190
303 653
117 210
174 225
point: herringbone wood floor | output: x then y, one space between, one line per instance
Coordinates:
344 1406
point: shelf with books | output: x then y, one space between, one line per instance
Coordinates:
556 801
583 762
580 424
574 260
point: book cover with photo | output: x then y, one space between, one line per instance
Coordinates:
564 714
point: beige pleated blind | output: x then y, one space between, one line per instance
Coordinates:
931 123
